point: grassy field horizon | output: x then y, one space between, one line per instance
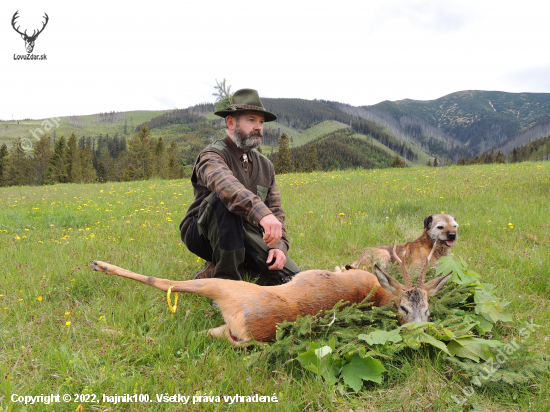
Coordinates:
66 329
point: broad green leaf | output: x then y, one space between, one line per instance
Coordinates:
472 274
379 337
359 369
332 343
449 333
424 337
309 360
448 264
326 367
472 348
322 352
483 325
329 369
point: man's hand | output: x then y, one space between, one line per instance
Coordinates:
279 258
273 229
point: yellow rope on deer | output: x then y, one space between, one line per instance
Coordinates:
175 307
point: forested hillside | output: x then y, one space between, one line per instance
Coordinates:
478 119
530 135
470 126
340 150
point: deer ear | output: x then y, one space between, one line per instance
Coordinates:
434 286
386 281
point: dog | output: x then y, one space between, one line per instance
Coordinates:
252 312
442 228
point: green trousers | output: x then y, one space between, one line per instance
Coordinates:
233 245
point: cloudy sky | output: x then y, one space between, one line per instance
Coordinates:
153 55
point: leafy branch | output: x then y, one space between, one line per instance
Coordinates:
349 343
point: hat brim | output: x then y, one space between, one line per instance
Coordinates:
268 117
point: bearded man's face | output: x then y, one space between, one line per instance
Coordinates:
248 132
245 141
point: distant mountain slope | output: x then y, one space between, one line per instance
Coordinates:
462 124
342 150
539 131
412 129
88 125
478 119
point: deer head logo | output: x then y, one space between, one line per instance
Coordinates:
29 40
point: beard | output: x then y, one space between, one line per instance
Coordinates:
247 142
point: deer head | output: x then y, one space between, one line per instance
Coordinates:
411 301
29 40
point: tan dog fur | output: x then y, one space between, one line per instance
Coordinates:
252 312
440 227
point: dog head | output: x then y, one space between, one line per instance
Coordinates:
442 227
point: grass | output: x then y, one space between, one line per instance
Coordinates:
122 338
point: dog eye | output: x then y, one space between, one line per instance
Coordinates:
404 310
440 227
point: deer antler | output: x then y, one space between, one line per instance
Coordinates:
44 25
15 16
34 34
406 274
422 276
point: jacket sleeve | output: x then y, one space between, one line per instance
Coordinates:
273 202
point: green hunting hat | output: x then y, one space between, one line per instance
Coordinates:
246 99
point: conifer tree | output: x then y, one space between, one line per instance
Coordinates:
397 162
89 174
311 160
284 161
223 95
3 162
74 162
42 153
173 164
105 166
18 170
140 159
500 158
160 160
57 166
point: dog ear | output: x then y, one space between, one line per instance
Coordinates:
386 281
428 222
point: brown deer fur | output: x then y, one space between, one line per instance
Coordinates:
252 312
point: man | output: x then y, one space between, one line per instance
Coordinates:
236 222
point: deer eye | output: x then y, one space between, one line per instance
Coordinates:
404 310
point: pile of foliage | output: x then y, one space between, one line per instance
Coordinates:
350 344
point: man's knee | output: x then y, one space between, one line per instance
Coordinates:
225 225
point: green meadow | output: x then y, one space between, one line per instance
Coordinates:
65 329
